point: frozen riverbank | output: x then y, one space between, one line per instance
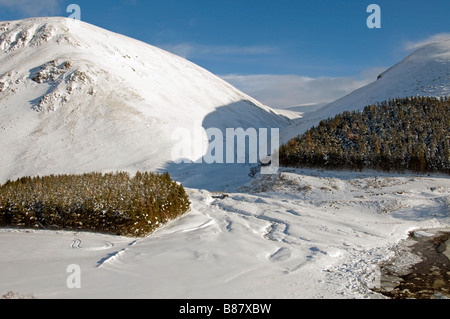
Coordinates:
427 276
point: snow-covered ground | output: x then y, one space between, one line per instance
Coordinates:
298 234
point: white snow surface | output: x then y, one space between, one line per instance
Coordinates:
425 72
299 234
76 98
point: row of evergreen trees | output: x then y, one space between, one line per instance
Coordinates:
114 203
401 134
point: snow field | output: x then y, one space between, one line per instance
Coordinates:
317 242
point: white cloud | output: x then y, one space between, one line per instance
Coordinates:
33 8
287 91
436 38
193 50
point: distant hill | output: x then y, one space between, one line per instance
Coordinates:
425 72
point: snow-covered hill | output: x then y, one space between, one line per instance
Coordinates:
76 98
426 72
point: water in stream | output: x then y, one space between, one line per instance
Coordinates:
425 274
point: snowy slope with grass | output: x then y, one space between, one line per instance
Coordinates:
76 98
426 72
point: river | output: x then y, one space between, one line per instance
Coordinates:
420 268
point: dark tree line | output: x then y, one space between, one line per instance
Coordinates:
401 134
114 203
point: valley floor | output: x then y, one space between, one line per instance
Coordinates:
299 234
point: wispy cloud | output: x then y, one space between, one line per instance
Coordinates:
287 91
436 38
33 8
193 50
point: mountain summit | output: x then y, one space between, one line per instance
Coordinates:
76 98
426 72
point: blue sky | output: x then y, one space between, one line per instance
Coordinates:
241 39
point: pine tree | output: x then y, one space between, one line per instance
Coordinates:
401 134
111 203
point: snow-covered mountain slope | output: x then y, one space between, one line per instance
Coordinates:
426 72
77 98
